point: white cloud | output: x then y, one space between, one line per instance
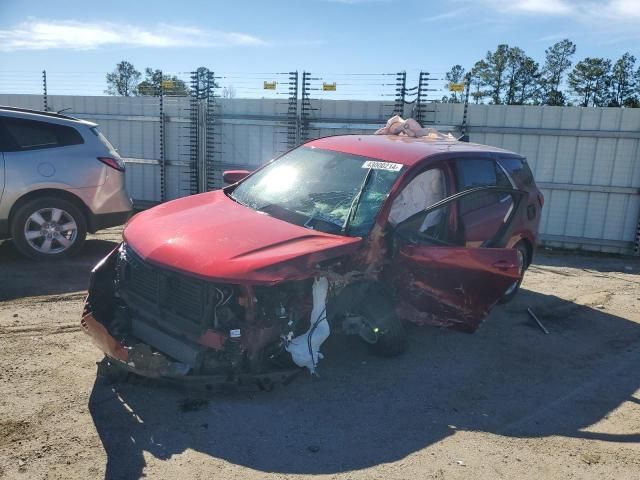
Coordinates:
619 11
70 34
541 7
627 9
446 15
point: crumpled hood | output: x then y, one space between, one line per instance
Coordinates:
213 237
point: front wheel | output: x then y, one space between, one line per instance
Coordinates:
48 228
386 334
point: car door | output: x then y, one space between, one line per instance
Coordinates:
440 280
485 213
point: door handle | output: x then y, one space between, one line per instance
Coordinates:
504 265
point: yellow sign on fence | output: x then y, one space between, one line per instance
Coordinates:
329 87
456 87
168 84
270 85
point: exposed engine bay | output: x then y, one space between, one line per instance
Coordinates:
161 323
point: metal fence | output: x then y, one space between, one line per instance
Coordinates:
586 160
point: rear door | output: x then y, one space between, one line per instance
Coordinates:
483 213
441 280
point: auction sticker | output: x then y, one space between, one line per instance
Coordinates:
392 167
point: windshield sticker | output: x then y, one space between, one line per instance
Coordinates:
392 167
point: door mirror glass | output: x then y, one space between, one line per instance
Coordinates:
234 176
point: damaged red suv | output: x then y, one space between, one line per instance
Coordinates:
349 234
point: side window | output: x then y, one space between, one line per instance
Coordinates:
424 190
519 170
440 227
33 135
474 173
6 143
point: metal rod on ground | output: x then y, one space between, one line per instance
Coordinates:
533 315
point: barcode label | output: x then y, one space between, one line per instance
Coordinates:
392 167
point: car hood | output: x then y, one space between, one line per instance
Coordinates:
213 237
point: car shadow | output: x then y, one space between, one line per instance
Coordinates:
22 277
508 378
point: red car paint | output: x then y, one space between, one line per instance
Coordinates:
213 237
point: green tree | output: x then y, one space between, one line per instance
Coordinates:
590 81
151 85
493 71
623 82
455 75
476 81
528 82
515 57
557 62
123 80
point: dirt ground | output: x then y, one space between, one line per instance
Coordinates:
506 402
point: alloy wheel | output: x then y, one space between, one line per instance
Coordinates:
50 230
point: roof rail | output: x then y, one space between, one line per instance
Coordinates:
38 112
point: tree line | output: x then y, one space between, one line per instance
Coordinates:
126 81
508 76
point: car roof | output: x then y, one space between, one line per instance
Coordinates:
400 148
43 116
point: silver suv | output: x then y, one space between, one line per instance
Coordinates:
59 179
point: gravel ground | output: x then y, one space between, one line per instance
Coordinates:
506 402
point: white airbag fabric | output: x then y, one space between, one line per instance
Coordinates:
299 346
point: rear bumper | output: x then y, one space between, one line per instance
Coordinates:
106 220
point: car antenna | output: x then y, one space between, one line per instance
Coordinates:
63 110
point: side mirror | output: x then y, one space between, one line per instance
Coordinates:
234 176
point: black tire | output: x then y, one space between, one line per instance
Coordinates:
379 312
523 253
73 238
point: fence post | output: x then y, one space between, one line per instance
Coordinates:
194 130
305 107
293 124
209 177
163 160
401 92
44 91
463 128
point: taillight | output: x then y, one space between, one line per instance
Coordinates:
541 199
115 163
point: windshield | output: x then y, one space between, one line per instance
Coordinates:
323 190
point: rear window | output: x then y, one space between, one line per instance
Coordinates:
22 134
104 140
519 170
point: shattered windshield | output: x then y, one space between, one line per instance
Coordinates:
323 190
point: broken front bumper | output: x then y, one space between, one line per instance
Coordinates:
137 350
141 360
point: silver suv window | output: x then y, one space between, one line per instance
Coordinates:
22 134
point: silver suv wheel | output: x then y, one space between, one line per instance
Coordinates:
50 230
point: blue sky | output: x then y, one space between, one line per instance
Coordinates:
70 37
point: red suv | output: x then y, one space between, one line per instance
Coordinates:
351 234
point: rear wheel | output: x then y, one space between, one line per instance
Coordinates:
523 263
48 228
384 330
